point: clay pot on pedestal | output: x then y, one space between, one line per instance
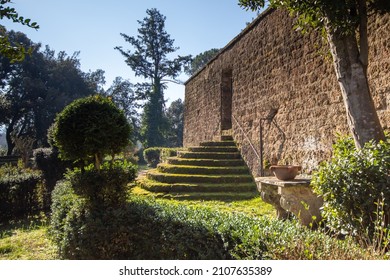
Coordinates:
285 172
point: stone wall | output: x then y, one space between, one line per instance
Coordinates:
273 67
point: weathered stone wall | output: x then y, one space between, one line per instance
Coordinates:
275 67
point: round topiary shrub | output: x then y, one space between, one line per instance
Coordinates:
90 128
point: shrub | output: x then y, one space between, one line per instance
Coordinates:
90 128
155 155
19 192
152 156
150 229
103 188
52 167
355 186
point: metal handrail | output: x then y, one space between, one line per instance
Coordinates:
247 138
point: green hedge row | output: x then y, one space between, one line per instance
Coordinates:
19 192
149 229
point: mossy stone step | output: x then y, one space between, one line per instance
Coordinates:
226 138
211 155
218 143
195 179
205 162
156 186
201 170
214 149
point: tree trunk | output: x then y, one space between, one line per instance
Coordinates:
8 137
362 117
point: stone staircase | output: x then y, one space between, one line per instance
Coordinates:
212 167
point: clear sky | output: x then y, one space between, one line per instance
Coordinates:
93 27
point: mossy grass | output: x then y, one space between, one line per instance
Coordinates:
248 203
190 178
218 143
188 169
214 149
158 186
27 239
208 155
205 162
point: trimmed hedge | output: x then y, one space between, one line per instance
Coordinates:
149 229
155 155
19 192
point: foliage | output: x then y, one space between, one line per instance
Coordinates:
90 128
150 60
19 191
175 118
155 155
104 188
14 52
355 186
152 156
126 97
149 229
52 167
35 90
199 61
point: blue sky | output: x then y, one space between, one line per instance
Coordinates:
93 27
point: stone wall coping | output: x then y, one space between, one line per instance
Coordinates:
298 182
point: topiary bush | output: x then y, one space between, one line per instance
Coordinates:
90 128
152 156
355 186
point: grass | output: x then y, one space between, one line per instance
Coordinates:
26 239
230 202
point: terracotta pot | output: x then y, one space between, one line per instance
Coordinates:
285 172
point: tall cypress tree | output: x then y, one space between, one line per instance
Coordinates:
148 59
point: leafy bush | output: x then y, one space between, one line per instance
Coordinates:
52 167
103 188
155 155
150 229
19 191
152 156
89 128
355 186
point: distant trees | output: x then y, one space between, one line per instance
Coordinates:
34 90
149 59
175 118
200 60
345 24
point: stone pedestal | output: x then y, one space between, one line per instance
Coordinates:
294 196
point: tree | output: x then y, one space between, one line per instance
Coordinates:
175 117
200 60
150 61
90 128
345 25
14 52
34 90
125 96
